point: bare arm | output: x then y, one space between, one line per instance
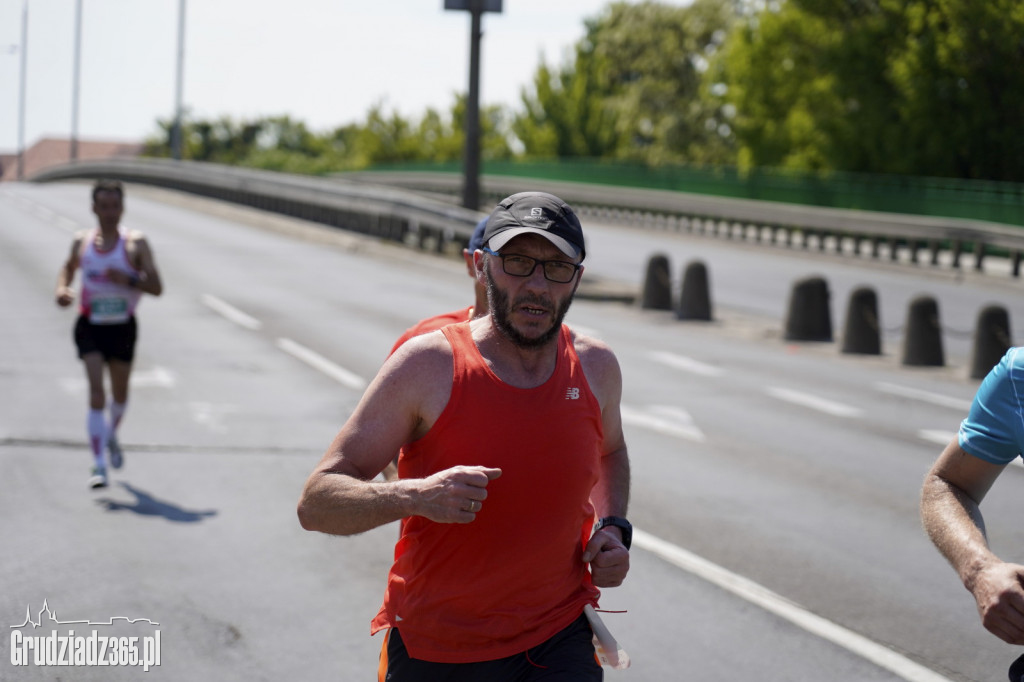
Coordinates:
141 256
341 496
64 294
606 553
951 515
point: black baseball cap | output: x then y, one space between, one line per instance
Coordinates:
538 213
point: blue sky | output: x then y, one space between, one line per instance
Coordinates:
324 62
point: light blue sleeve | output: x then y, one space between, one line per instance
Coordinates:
994 430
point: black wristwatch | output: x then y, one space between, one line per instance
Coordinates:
625 526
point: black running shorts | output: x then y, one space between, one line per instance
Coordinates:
567 657
113 341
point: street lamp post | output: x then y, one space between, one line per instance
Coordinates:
77 80
21 92
471 156
177 141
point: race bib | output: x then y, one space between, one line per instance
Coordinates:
108 310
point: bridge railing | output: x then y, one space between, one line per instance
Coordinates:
405 206
379 211
855 232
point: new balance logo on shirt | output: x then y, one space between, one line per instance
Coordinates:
572 394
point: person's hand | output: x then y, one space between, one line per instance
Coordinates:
65 296
999 591
121 277
608 558
455 495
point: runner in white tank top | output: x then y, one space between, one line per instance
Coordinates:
104 301
117 268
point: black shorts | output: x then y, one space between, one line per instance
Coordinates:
113 341
567 657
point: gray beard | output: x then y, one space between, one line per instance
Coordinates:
498 301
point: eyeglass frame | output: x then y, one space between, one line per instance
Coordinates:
536 261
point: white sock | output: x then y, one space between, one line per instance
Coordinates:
116 412
97 428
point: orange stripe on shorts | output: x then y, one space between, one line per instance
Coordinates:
382 667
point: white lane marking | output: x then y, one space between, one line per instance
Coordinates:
319 362
943 438
157 377
750 591
230 312
686 364
814 402
671 421
66 224
936 436
211 415
924 396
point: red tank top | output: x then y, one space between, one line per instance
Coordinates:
515 576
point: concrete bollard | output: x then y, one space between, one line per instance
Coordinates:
810 316
695 295
862 333
922 342
991 340
657 293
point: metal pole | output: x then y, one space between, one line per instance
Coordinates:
21 92
77 80
471 186
177 142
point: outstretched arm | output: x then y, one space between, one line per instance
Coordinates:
951 515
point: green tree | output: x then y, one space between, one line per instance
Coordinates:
926 87
633 90
567 114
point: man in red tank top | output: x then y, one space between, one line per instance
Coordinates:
512 446
117 267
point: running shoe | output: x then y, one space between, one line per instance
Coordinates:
116 454
98 478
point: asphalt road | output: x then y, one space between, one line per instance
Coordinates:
775 484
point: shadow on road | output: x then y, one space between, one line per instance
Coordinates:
147 505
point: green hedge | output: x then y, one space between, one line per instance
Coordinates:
1001 202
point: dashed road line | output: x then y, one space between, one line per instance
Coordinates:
772 602
936 436
229 312
154 377
943 438
924 396
686 364
66 224
814 402
322 364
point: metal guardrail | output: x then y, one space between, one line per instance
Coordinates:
845 230
971 199
384 212
370 203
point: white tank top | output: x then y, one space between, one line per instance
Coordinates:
102 301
